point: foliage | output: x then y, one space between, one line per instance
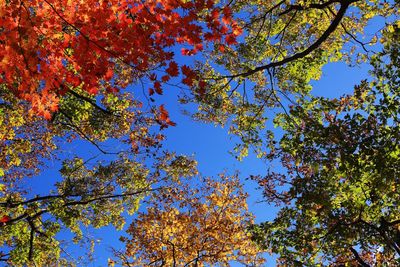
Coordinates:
24 139
91 192
284 47
55 46
340 192
65 66
193 223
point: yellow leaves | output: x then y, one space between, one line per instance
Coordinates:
184 222
390 28
111 263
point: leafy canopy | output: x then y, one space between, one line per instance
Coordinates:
64 69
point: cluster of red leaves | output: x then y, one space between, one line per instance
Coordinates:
163 118
5 219
50 46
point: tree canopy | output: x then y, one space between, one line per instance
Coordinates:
94 72
342 156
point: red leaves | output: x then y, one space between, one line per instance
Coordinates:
172 69
190 75
72 48
5 219
163 118
230 39
109 74
157 87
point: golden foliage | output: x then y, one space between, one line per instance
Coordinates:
193 225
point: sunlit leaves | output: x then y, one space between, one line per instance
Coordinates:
339 189
283 49
201 222
55 45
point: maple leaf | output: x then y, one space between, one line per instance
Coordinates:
172 69
165 78
163 113
157 87
164 117
109 74
5 219
190 75
230 39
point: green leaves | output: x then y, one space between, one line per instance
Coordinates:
341 176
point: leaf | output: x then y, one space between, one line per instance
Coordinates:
172 69
4 219
109 74
164 117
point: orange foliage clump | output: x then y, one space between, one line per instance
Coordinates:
193 226
48 47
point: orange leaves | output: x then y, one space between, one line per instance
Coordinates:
43 104
163 118
163 113
78 43
109 74
5 219
205 217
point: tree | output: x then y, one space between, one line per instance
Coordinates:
63 66
55 46
91 192
340 190
285 46
193 223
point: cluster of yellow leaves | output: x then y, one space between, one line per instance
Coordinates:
24 139
194 225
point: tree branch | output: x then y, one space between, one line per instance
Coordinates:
83 135
311 6
31 237
332 27
68 204
91 102
358 258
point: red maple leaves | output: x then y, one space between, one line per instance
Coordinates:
163 118
49 46
5 219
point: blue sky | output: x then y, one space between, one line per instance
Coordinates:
209 145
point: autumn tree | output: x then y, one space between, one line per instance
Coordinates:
64 67
284 47
195 222
91 191
50 47
340 193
